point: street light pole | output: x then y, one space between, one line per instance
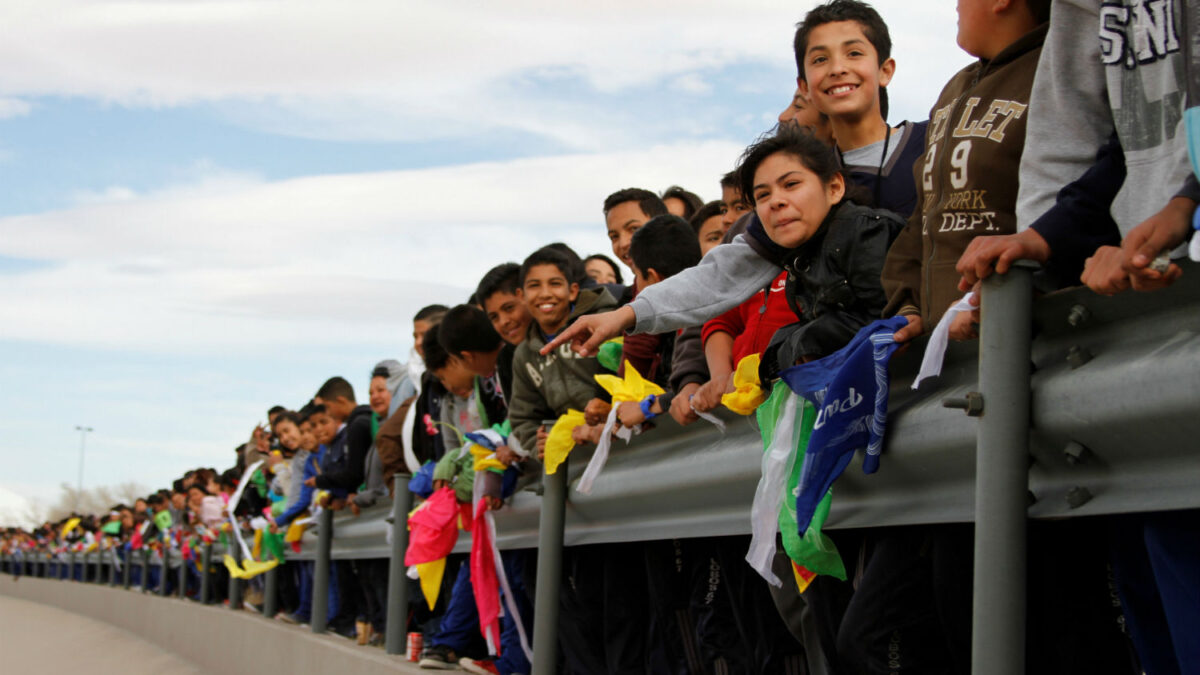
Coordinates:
83 432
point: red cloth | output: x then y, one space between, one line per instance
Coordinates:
434 528
751 327
483 578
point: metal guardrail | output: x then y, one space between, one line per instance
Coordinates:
1097 415
1114 392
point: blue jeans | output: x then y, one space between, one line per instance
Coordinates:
461 617
1156 557
512 658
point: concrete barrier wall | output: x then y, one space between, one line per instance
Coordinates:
213 638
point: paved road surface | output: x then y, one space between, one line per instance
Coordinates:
43 639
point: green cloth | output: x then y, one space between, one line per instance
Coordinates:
163 521
113 527
272 543
815 550
259 481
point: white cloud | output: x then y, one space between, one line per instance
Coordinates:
13 107
422 69
322 260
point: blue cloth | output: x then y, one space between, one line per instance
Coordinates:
306 492
422 481
838 386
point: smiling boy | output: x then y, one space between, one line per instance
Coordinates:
546 386
843 65
624 212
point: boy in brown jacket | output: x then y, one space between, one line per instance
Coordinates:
967 179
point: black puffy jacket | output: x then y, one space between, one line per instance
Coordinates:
832 282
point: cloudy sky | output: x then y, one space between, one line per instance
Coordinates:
207 208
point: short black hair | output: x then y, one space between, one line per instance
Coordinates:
176 486
790 139
666 244
431 313
154 499
650 203
466 328
306 411
436 356
691 200
289 416
607 261
336 387
730 180
505 278
275 409
578 273
873 27
713 208
546 256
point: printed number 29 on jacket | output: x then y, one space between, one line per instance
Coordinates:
958 166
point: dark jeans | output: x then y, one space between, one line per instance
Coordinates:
1156 557
603 614
898 620
372 585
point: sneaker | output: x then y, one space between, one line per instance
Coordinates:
439 657
288 618
478 666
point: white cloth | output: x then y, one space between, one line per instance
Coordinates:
777 464
600 458
935 351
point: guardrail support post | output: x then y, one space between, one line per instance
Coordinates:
71 572
549 571
145 569
1002 475
235 584
270 602
205 572
182 579
397 594
320 598
127 569
165 575
112 567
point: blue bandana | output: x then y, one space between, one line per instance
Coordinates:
849 389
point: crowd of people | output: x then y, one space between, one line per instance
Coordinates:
1063 144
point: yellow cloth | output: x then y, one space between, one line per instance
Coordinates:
430 574
256 550
484 458
559 444
633 387
294 533
249 570
70 525
747 394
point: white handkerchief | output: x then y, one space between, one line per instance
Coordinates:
935 351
